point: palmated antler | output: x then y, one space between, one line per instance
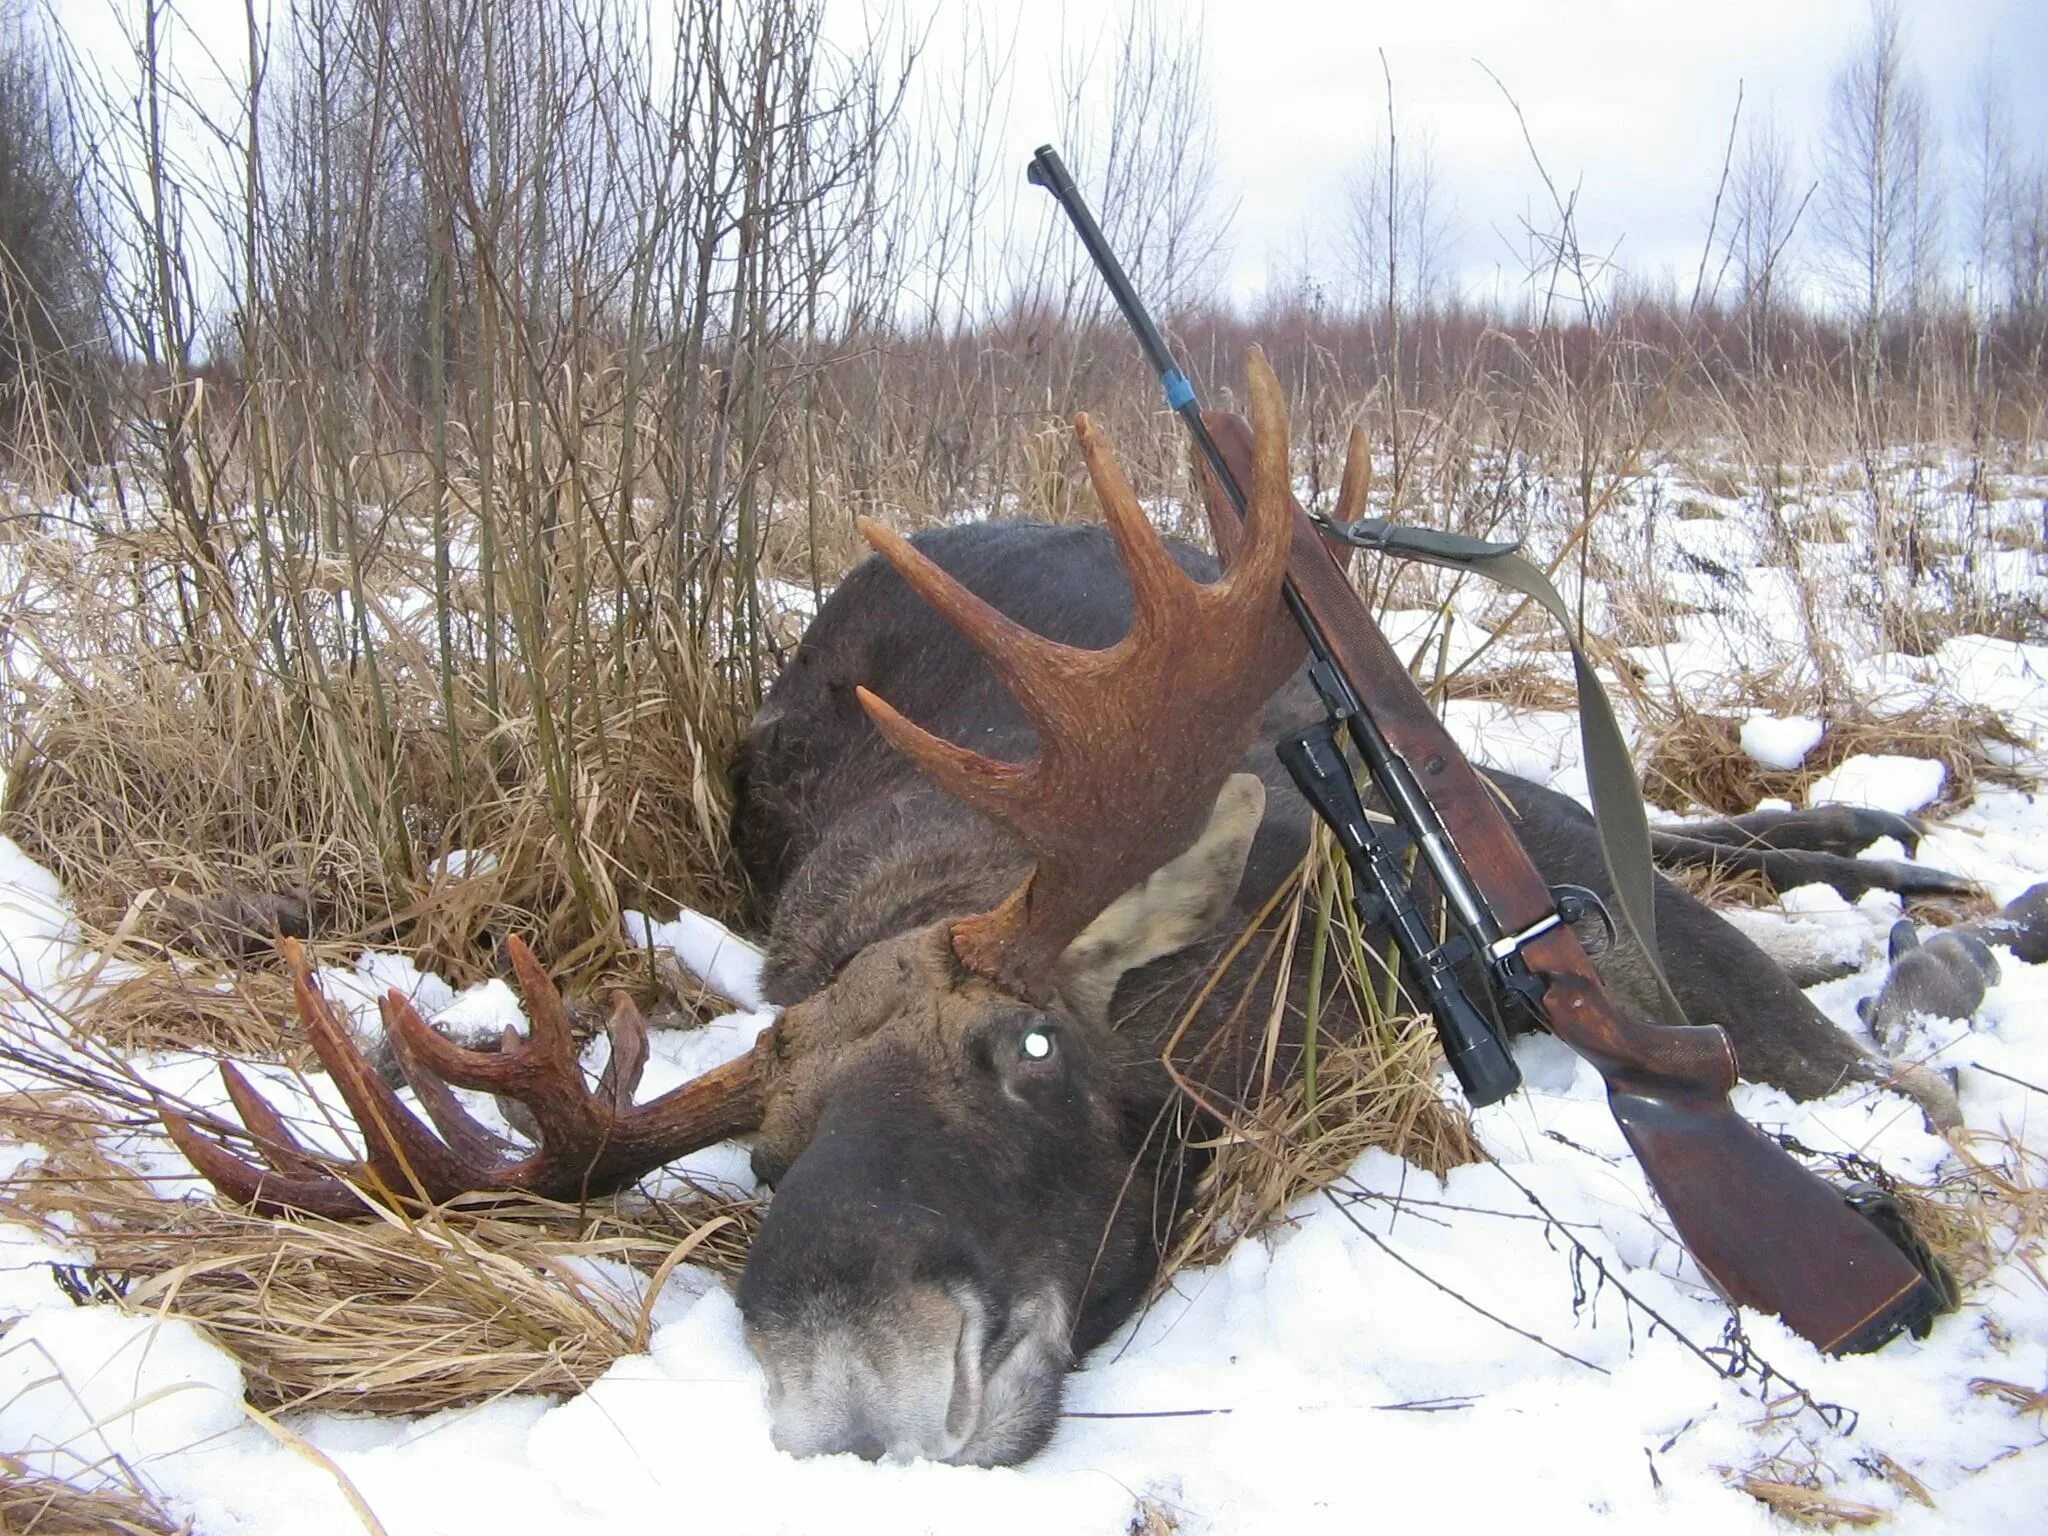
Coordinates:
589 1143
1135 741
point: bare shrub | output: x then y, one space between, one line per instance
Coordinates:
52 340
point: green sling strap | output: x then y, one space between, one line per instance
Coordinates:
1617 798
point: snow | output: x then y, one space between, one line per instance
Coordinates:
1337 1373
463 864
86 1392
1882 783
1780 743
720 958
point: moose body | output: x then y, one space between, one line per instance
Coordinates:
921 1176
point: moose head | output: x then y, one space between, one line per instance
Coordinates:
960 1204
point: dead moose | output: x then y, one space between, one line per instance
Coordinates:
985 926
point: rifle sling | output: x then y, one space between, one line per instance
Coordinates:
1618 814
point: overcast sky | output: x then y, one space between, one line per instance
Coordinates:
1629 101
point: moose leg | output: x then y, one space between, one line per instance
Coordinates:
1718 975
1784 869
1841 829
1812 847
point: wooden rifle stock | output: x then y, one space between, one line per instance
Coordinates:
1767 1232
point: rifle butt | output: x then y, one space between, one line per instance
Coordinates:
1767 1232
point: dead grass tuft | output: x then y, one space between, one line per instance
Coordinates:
1807 1505
1719 886
400 1315
1519 684
196 780
1364 1086
32 1504
174 1003
1693 758
1377 1091
1726 481
1824 524
1990 1207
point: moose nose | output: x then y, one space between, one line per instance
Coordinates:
866 1445
800 1431
901 1382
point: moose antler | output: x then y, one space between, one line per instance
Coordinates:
589 1143
1135 741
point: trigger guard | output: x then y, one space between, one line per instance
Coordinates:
1576 904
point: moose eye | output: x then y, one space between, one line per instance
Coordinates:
1030 1059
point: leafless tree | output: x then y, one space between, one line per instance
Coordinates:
1987 189
1141 135
52 333
2026 245
1877 203
1764 207
1399 219
2005 217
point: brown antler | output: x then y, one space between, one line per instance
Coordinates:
588 1143
1135 741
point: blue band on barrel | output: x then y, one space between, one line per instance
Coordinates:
1179 391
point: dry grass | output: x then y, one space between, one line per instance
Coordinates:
1519 683
1370 1081
1719 886
32 1504
1990 1208
158 789
1807 1504
400 1315
1819 525
167 1001
1694 758
413 1317
1377 1091
170 1003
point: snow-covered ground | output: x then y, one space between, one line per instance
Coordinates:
1406 1351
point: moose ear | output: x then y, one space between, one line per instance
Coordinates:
1176 905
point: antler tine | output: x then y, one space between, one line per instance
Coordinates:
628 1059
979 782
266 1190
588 1143
1256 577
399 1153
281 1149
1357 482
553 1038
1023 661
1161 593
1133 741
472 1140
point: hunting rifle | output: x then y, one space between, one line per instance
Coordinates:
1767 1232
